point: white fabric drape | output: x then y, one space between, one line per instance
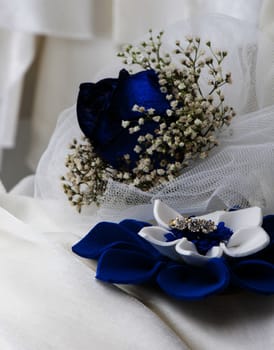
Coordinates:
64 18
133 18
17 52
80 39
20 22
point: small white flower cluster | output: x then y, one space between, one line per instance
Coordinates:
188 130
87 175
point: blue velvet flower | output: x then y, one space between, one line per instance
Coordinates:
102 106
126 258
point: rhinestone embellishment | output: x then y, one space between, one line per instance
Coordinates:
193 224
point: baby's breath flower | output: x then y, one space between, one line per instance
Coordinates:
197 122
126 175
185 131
141 138
162 81
203 155
141 109
149 137
125 123
181 86
169 112
137 149
160 172
156 118
151 111
173 104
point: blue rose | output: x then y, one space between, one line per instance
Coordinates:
102 106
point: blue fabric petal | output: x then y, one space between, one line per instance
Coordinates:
256 275
190 282
134 225
107 234
267 254
128 267
101 237
268 226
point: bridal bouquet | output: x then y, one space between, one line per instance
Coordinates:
159 129
144 129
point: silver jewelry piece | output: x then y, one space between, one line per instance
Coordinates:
193 224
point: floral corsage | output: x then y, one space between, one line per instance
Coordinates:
143 129
187 257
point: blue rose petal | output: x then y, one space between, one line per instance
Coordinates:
256 275
142 89
126 267
190 282
102 107
92 105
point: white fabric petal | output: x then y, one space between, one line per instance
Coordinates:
163 213
246 241
156 236
187 250
243 218
215 252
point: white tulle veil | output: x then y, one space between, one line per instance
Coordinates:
239 172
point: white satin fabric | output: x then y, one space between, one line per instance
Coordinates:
80 37
51 300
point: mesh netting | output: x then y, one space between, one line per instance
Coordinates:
239 172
